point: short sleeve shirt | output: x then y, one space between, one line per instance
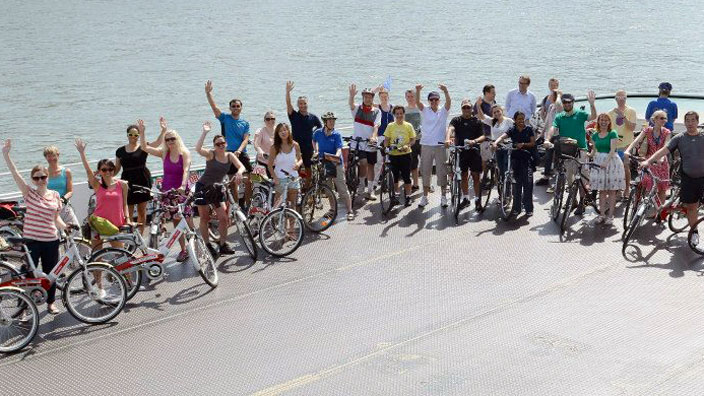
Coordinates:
691 149
302 127
572 126
327 144
364 121
400 135
667 106
603 145
433 126
523 136
624 133
467 128
234 131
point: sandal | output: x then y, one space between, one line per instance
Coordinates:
182 256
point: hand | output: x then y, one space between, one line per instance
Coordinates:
643 164
591 97
289 86
548 145
238 177
7 146
140 127
208 87
80 145
276 181
372 140
296 167
419 87
181 190
404 148
238 153
206 127
443 87
479 101
520 146
448 143
494 146
353 90
162 123
626 157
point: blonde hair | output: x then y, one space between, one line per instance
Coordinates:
657 114
179 143
51 150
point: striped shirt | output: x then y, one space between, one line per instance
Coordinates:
41 211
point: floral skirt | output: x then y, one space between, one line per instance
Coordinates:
610 178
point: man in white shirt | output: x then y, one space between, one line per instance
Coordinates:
434 141
521 99
366 126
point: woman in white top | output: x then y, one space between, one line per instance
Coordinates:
284 161
264 139
499 125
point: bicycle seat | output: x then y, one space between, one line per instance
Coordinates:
16 240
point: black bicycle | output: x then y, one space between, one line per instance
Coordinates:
455 177
319 204
580 183
353 158
387 187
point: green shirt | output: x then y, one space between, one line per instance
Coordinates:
572 126
603 145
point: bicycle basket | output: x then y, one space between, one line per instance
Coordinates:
568 147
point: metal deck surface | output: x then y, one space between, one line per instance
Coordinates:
411 305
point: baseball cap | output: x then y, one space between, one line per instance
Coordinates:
466 102
567 97
665 86
433 95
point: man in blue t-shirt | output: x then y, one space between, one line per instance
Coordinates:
328 145
664 103
236 133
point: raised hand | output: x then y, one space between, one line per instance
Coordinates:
80 145
479 101
289 86
591 96
442 87
419 87
208 87
7 146
140 127
162 123
206 127
353 90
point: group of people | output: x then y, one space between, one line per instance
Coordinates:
418 134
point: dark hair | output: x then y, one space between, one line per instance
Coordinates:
235 101
277 139
397 107
516 114
567 97
494 121
216 137
691 113
133 126
487 88
107 162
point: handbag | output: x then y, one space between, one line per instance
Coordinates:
103 226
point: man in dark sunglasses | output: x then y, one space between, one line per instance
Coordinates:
303 124
236 132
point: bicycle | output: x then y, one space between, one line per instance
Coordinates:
491 177
19 319
589 197
318 207
94 293
353 158
261 204
508 181
151 262
455 176
237 216
387 186
567 147
281 230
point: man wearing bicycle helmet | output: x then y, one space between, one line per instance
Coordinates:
367 119
327 142
467 128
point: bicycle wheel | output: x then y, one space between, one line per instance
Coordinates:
246 235
319 208
281 232
352 179
634 224
677 219
487 184
114 257
7 272
95 294
631 203
202 260
558 196
19 319
570 204
455 199
506 197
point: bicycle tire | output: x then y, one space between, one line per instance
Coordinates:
85 250
273 234
567 210
246 236
635 222
16 307
487 185
107 306
455 200
635 199
319 208
506 197
352 179
558 196
677 219
203 260
7 272
113 256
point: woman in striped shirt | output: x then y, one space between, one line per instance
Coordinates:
41 221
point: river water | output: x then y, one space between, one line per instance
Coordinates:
90 68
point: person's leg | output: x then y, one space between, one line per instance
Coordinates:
415 162
405 171
130 212
527 188
603 197
142 215
49 258
341 187
441 168
612 203
477 188
519 176
426 167
222 222
204 219
465 183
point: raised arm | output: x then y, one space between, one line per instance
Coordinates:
448 101
160 139
419 104
24 188
211 101
480 111
92 180
289 106
353 93
143 141
186 169
199 144
591 97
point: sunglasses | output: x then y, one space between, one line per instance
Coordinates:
107 169
221 144
171 139
132 134
433 99
662 118
235 106
466 107
37 178
270 119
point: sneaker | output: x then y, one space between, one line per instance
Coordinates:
394 201
443 201
514 213
52 309
599 219
350 216
550 190
464 202
182 256
226 249
543 181
478 204
407 203
369 196
423 202
432 188
529 213
695 239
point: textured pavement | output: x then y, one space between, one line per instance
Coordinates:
409 305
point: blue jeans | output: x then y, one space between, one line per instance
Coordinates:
501 161
523 189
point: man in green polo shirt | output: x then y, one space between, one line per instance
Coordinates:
570 124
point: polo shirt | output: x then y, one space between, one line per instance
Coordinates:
327 144
302 127
234 131
572 126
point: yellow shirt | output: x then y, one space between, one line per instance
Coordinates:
400 135
625 134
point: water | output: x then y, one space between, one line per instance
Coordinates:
91 68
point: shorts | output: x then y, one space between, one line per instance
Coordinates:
292 186
401 166
369 156
470 160
415 155
244 159
620 153
692 189
209 195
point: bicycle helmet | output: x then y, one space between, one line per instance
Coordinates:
329 116
367 91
